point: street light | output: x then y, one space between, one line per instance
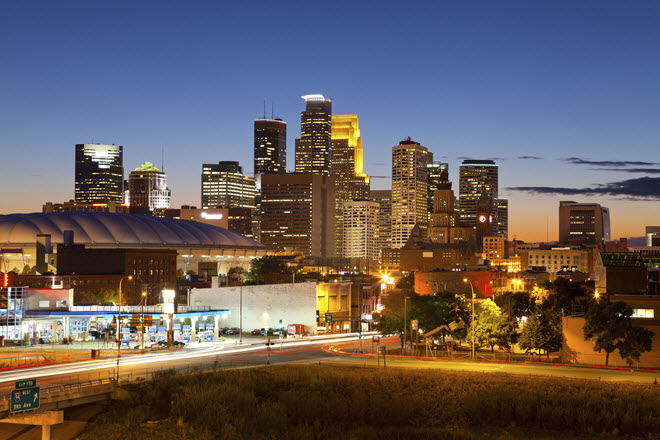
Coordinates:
465 280
130 277
144 299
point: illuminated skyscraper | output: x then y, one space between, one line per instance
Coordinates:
99 173
346 169
361 227
313 147
409 190
225 186
475 177
269 146
147 188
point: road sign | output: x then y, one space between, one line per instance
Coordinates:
328 318
24 399
27 383
414 324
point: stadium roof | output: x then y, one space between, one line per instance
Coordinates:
118 230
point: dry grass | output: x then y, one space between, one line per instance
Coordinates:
309 402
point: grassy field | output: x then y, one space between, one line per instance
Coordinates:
311 402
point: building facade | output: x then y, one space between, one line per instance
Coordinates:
346 168
297 213
225 186
556 259
475 177
384 200
502 218
409 190
99 173
583 223
72 206
361 224
147 188
438 175
313 147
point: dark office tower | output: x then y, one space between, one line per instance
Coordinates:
503 218
269 146
297 213
313 147
225 186
384 199
147 187
583 223
475 177
438 174
346 169
99 173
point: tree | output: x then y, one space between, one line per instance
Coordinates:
407 282
542 331
390 320
606 325
180 273
491 327
517 304
564 293
266 265
101 296
637 341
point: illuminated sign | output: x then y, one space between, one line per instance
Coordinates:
482 219
208 216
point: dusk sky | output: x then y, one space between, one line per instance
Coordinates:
565 96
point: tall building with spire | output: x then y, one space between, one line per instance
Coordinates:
347 170
269 146
99 173
313 147
409 190
147 188
476 177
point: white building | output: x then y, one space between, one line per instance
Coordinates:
361 230
556 259
263 306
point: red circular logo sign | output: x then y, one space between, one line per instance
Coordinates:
482 218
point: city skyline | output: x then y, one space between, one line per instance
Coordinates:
564 102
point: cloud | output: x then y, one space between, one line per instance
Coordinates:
530 158
606 163
630 170
643 188
481 158
378 164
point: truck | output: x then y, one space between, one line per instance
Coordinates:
293 330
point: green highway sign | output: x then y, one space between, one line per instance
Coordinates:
24 399
328 318
28 383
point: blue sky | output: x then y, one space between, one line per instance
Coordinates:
553 80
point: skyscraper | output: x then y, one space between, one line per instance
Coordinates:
384 199
297 213
438 173
147 188
269 146
225 186
502 215
346 169
475 177
409 190
99 173
361 225
313 147
585 223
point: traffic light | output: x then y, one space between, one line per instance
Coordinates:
318 316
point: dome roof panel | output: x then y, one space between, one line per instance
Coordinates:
97 228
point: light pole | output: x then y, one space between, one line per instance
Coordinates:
405 322
144 300
130 277
465 280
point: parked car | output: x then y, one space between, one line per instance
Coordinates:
256 332
264 331
95 334
232 331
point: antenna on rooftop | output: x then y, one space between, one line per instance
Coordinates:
272 111
264 109
162 159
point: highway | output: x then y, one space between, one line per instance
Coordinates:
328 350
